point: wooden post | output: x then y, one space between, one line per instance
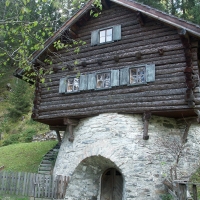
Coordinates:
185 134
146 118
71 135
194 190
70 123
182 192
58 136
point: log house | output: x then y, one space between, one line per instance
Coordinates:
134 60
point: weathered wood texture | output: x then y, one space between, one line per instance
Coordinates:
33 185
156 42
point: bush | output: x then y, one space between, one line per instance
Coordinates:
166 197
27 135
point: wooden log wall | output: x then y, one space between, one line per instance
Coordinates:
156 43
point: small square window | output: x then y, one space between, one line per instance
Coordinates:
137 75
105 35
73 84
103 80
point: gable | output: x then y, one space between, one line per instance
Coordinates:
82 14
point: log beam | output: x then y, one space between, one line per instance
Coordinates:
140 18
146 118
105 4
70 123
185 39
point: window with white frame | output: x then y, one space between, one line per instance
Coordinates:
137 75
105 35
103 80
73 84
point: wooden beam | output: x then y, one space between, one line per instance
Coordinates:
70 123
71 134
146 118
73 122
198 115
106 4
40 62
140 18
59 128
58 136
72 33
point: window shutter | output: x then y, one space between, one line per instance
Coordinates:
94 37
117 32
83 82
150 72
124 76
91 81
62 86
114 77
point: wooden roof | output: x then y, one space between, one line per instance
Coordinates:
191 28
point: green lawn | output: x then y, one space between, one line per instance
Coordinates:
24 157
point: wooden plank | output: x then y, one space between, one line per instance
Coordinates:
182 193
8 187
3 175
12 184
24 174
194 190
31 185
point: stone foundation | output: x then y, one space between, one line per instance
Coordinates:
116 141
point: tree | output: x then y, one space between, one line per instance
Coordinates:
20 100
186 9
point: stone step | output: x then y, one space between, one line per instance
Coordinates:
46 165
46 162
44 172
45 168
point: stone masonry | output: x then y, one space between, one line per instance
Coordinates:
116 141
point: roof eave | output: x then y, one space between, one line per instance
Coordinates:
161 16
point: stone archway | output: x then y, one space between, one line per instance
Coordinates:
86 178
111 185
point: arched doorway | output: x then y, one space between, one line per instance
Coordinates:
111 185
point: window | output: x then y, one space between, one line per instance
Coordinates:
103 80
127 76
137 75
72 84
105 35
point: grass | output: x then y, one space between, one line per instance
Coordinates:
11 197
24 157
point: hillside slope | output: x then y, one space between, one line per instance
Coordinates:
19 130
24 157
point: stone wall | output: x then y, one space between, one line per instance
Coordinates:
116 141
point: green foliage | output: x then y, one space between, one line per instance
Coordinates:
166 197
27 135
20 100
188 10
